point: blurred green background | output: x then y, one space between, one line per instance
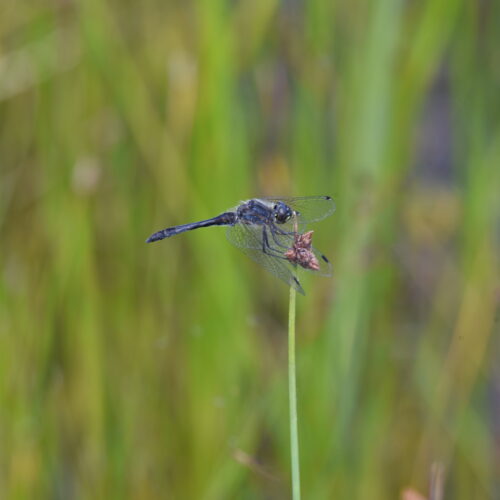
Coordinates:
134 371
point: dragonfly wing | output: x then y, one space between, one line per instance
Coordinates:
245 236
249 239
308 208
325 266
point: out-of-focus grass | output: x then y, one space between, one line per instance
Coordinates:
159 371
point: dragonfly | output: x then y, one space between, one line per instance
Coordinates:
271 231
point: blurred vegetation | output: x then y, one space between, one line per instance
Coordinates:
159 371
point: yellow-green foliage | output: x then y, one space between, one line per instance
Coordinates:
134 371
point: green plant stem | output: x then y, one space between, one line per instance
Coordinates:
292 391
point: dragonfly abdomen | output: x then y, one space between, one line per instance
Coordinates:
225 219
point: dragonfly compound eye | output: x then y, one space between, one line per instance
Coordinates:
282 213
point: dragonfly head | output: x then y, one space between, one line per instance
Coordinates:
282 212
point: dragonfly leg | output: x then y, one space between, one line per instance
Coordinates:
282 233
266 247
265 242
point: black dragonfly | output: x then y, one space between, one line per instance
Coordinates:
271 232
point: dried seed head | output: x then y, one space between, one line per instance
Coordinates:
301 252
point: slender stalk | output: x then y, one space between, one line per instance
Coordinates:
292 391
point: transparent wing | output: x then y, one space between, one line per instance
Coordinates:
250 240
325 266
308 208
